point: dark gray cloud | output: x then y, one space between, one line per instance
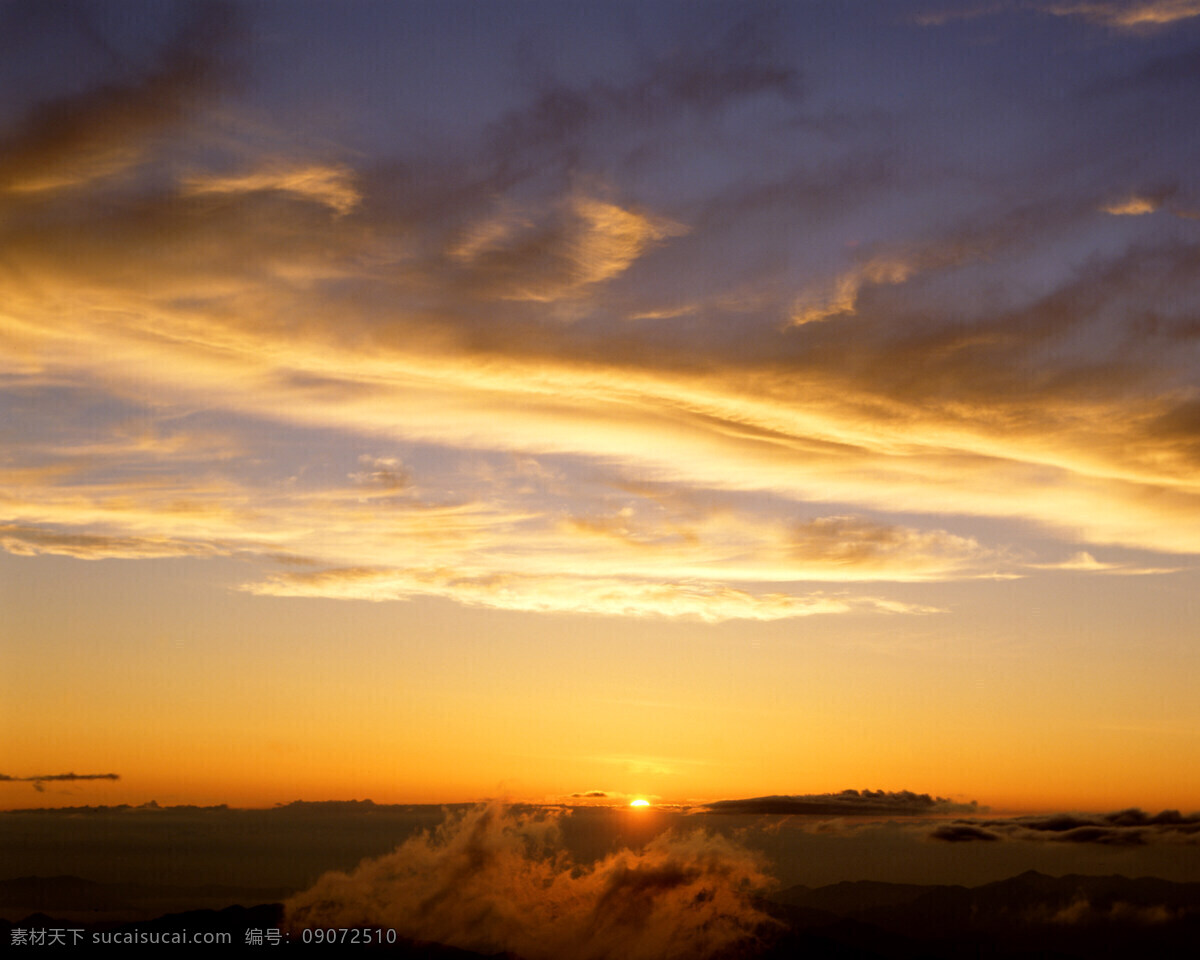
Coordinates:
39 782
848 803
960 833
78 138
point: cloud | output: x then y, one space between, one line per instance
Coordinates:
492 880
32 541
40 782
707 601
847 803
853 542
843 298
331 185
1124 828
954 13
1140 14
78 139
1083 911
385 472
553 289
1132 206
513 550
1084 562
557 256
961 833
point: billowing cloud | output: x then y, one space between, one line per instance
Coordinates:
493 880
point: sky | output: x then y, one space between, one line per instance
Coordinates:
433 402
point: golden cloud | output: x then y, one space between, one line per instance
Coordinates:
1132 206
290 295
331 185
1147 13
843 297
706 601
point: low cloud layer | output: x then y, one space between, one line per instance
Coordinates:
1125 828
491 880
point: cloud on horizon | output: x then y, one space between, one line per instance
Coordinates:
848 803
40 782
1132 827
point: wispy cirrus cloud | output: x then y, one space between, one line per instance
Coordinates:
1128 16
551 291
331 185
708 601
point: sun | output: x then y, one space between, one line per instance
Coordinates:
639 803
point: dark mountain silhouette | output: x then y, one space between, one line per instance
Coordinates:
1032 915
63 894
76 898
850 897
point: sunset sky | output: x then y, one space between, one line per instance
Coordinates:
437 401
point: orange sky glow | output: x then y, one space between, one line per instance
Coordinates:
701 417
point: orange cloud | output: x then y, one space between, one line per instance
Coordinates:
843 297
558 253
707 601
1132 206
497 881
291 295
331 185
1148 13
